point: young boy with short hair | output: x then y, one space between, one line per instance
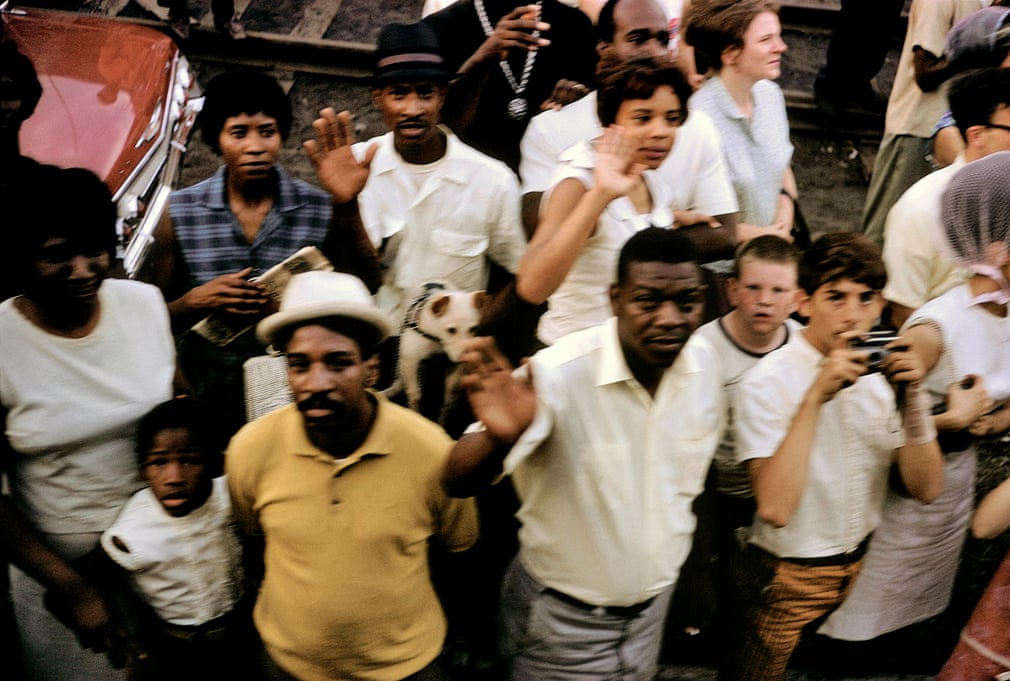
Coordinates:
820 435
177 540
763 292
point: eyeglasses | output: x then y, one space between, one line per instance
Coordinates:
998 126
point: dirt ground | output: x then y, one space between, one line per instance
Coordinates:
832 169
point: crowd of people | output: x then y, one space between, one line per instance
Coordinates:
680 420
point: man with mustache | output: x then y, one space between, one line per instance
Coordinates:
607 436
345 490
433 206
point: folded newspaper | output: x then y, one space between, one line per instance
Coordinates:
222 329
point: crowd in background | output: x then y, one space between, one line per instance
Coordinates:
665 407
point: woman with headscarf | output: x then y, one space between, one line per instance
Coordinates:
964 338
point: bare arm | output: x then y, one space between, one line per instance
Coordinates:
779 481
967 398
570 218
947 144
503 403
930 71
919 459
993 514
714 237
785 213
347 244
91 618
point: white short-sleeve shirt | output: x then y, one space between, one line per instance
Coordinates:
607 474
916 269
693 175
188 569
465 214
856 434
73 404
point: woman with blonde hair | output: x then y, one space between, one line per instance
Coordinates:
741 43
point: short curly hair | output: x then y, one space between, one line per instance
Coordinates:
26 83
619 80
713 26
233 93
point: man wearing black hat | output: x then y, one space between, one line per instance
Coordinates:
433 206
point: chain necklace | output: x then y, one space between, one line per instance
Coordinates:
517 106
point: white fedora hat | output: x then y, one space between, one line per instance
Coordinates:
321 294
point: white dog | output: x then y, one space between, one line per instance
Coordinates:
440 320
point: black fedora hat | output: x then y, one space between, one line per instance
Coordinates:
408 52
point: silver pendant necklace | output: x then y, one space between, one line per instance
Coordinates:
518 106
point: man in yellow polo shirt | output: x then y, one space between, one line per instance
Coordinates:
345 489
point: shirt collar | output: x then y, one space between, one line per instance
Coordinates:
612 367
388 159
723 100
378 442
287 196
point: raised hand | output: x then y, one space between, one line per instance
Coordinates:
338 170
504 403
616 172
514 31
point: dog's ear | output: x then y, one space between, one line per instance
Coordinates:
479 299
439 305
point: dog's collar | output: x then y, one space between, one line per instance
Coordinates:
412 318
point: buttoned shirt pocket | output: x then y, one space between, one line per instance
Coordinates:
692 463
612 471
458 257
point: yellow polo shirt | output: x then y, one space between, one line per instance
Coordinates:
347 592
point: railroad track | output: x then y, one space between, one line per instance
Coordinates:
304 49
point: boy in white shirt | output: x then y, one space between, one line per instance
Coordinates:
763 292
177 540
820 434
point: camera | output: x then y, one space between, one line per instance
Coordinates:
873 344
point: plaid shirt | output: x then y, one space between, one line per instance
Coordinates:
212 240
213 243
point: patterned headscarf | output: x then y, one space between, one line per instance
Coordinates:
976 219
979 40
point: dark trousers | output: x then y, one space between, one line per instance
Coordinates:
223 10
859 42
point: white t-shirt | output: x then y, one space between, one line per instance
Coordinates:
188 569
73 404
731 476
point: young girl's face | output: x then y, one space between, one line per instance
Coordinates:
652 124
176 470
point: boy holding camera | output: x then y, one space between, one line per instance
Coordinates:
820 435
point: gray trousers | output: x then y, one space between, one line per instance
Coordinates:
549 639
